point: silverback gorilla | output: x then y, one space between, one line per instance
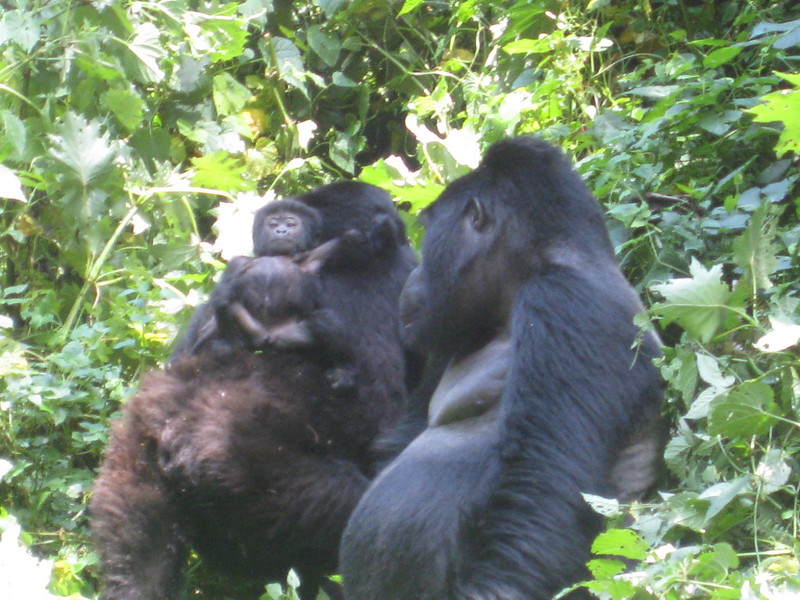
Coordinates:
250 458
546 394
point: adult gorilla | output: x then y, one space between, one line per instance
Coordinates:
252 459
546 394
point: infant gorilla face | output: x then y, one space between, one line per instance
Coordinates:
286 233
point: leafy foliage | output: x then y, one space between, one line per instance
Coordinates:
136 138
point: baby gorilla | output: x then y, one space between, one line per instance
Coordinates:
273 299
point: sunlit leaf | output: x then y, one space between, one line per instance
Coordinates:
222 172
620 542
783 335
81 149
230 96
696 303
742 412
408 6
783 106
10 186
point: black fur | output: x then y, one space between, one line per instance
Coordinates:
518 285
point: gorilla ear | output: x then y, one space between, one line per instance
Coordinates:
476 213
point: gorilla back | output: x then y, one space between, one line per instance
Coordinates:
546 394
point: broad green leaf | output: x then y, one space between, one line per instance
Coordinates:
81 149
709 370
721 494
605 568
620 542
325 45
743 412
126 106
222 172
147 47
696 303
230 96
754 250
719 57
783 106
526 46
226 37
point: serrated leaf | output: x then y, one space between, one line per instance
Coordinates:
325 45
697 303
126 106
83 152
620 542
754 250
605 568
743 412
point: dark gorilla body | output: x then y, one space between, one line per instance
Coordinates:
251 458
543 397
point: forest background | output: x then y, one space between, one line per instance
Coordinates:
137 138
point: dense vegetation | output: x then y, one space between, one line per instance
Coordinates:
137 138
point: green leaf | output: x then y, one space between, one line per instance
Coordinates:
620 542
83 152
743 412
754 250
230 96
226 37
719 57
783 106
126 106
774 471
526 46
222 172
408 6
721 494
147 47
10 186
697 303
325 45
330 7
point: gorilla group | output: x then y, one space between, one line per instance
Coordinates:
255 450
545 395
254 459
